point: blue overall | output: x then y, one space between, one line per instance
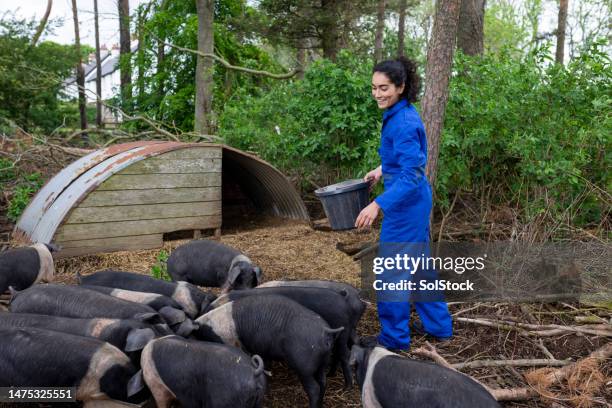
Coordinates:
406 204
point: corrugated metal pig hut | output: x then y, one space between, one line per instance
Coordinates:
133 195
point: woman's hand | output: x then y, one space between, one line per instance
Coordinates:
367 216
373 177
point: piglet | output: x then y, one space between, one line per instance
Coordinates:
32 357
213 264
388 380
328 304
75 301
125 334
185 294
211 375
357 305
23 267
276 328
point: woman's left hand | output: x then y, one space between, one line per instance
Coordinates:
367 216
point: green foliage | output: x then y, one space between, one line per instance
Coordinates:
530 133
7 171
324 127
22 194
160 269
31 77
167 84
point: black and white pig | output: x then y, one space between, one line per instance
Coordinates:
171 311
329 304
211 375
31 357
276 328
126 334
213 264
75 301
23 267
388 380
192 299
357 305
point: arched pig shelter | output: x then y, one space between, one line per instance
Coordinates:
128 196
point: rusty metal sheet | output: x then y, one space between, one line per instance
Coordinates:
56 185
76 191
266 185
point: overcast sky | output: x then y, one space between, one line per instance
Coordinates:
109 25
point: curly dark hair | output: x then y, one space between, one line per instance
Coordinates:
402 71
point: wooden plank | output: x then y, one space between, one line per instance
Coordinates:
143 212
173 166
148 181
151 196
194 153
96 250
72 232
114 241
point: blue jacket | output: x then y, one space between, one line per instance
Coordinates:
403 153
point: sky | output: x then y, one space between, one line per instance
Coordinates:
109 24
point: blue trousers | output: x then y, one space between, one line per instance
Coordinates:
409 223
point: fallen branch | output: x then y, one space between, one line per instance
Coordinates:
544 330
512 363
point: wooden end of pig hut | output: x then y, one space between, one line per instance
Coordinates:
129 196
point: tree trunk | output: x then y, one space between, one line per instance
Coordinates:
470 32
80 73
329 27
301 61
143 11
161 56
124 52
437 76
561 23
98 68
204 67
401 28
380 30
42 24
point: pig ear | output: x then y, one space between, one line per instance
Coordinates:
163 328
146 317
186 328
258 273
137 339
233 275
171 315
136 384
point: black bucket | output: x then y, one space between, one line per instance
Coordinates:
343 202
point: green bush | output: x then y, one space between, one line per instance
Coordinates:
521 132
22 194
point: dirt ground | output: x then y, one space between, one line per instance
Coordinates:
287 250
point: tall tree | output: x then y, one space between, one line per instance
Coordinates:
561 23
98 68
380 29
437 76
204 66
401 28
42 24
80 73
470 32
124 52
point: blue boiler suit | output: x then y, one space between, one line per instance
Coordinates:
406 204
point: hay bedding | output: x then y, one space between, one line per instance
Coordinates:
288 250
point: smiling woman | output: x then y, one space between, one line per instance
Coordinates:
406 201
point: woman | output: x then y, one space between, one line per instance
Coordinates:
406 202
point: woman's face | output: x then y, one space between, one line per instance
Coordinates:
384 91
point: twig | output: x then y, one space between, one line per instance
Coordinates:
541 346
542 330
